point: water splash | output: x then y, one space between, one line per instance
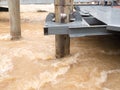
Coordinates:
45 77
5 66
106 88
5 37
117 52
57 68
95 81
20 52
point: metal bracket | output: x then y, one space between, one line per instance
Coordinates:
77 28
52 27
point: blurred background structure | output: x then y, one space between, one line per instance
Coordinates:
4 2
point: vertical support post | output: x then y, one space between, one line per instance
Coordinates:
14 12
62 8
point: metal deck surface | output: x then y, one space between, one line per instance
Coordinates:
107 14
89 21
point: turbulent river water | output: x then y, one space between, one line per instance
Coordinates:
30 64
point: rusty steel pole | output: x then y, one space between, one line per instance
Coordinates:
63 8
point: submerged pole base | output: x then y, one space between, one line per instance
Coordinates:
15 35
15 38
62 46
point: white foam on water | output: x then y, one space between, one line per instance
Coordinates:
117 52
106 88
104 75
96 81
114 71
51 76
5 37
102 78
28 53
48 76
66 62
5 66
44 77
20 52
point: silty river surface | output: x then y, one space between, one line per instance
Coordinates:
30 64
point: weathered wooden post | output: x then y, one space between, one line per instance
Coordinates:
14 11
63 8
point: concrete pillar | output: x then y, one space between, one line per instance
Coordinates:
14 12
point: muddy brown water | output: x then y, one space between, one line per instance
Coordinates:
29 64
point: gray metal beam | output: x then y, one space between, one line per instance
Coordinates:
85 25
89 31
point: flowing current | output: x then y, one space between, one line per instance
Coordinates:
30 64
